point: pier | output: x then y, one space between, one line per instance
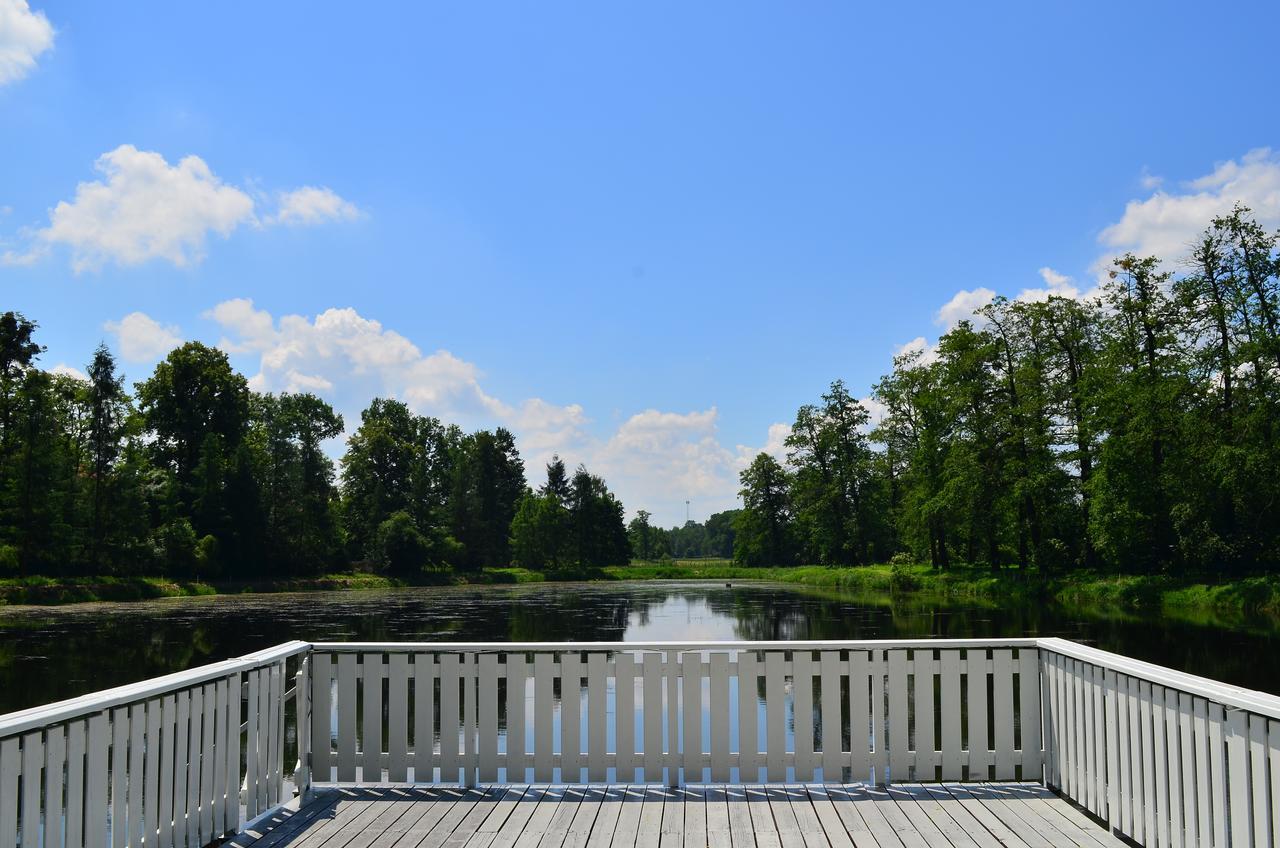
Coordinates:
1020 743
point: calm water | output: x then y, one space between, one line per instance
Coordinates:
50 654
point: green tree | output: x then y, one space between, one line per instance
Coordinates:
764 528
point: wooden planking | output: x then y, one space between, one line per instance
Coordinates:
718 816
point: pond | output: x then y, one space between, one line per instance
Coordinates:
47 654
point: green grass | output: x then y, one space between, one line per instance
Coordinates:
1224 603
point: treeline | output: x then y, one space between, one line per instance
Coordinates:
1135 431
713 539
195 475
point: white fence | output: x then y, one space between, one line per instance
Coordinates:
1167 759
730 712
174 762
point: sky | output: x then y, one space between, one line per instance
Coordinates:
640 235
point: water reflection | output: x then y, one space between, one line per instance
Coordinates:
49 654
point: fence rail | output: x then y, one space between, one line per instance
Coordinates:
1167 759
677 713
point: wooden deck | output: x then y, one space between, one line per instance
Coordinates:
991 815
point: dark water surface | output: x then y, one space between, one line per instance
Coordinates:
47 654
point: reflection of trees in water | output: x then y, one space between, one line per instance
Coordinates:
50 655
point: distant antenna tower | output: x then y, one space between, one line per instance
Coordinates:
686 512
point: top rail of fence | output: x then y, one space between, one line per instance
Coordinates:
94 702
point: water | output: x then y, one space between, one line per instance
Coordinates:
54 653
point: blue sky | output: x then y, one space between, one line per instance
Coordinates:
637 234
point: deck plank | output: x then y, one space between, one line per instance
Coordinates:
913 815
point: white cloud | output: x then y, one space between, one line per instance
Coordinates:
141 338
962 306
144 208
928 351
654 460
24 36
313 205
68 371
1166 223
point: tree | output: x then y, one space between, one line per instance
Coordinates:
764 529
643 536
540 532
396 461
596 526
487 486
196 407
108 409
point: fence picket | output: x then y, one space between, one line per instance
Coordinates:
748 719
775 716
597 716
624 700
517 674
802 713
718 707
976 680
398 718
424 734
923 681
371 733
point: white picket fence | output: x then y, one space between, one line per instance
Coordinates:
1165 758
175 762
1168 759
677 713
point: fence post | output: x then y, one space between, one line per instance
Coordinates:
302 718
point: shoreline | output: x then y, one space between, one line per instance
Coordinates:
1103 593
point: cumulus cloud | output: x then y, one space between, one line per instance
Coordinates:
1166 223
24 36
961 307
141 338
68 371
653 460
313 205
928 350
144 208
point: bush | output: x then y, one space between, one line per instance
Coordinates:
402 548
8 560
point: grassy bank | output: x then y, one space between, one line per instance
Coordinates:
1101 592
1098 593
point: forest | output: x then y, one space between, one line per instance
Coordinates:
193 475
1134 430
